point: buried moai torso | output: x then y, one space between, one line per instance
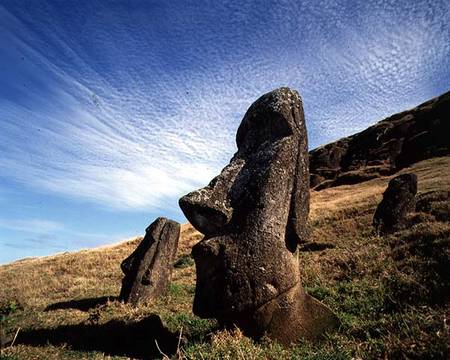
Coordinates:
253 215
398 200
149 268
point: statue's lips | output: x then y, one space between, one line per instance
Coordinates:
218 286
208 256
229 276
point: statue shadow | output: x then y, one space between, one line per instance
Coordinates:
145 339
315 246
82 304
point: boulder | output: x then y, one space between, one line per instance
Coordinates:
148 269
398 200
253 216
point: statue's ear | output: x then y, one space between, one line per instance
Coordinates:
296 227
296 231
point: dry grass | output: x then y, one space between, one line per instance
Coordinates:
432 175
39 282
360 278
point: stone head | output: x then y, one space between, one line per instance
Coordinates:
254 213
148 269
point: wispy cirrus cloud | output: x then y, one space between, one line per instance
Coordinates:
128 115
35 226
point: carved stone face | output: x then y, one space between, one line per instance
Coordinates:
254 213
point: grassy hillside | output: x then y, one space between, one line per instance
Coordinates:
391 293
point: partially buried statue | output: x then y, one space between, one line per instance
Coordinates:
253 216
149 268
399 199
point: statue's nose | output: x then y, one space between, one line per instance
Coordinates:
208 209
205 212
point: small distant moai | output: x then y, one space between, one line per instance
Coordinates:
148 269
398 200
253 216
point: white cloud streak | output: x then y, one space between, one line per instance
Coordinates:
138 137
35 226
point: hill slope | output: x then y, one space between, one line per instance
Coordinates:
386 147
391 293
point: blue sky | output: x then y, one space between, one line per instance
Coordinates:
111 110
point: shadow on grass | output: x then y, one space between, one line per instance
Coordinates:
314 246
116 338
83 304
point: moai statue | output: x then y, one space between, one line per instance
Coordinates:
399 199
253 216
148 269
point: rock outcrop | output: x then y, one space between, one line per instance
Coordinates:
253 216
384 148
149 268
398 201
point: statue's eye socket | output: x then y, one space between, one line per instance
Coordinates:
261 129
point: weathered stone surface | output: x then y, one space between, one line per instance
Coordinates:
398 200
148 269
253 216
383 149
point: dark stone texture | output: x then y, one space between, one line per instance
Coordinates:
253 216
398 200
383 149
149 268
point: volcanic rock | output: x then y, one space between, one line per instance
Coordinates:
253 216
149 268
390 145
398 200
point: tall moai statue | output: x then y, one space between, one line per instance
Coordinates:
253 216
148 269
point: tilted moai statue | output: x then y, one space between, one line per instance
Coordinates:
148 269
253 215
